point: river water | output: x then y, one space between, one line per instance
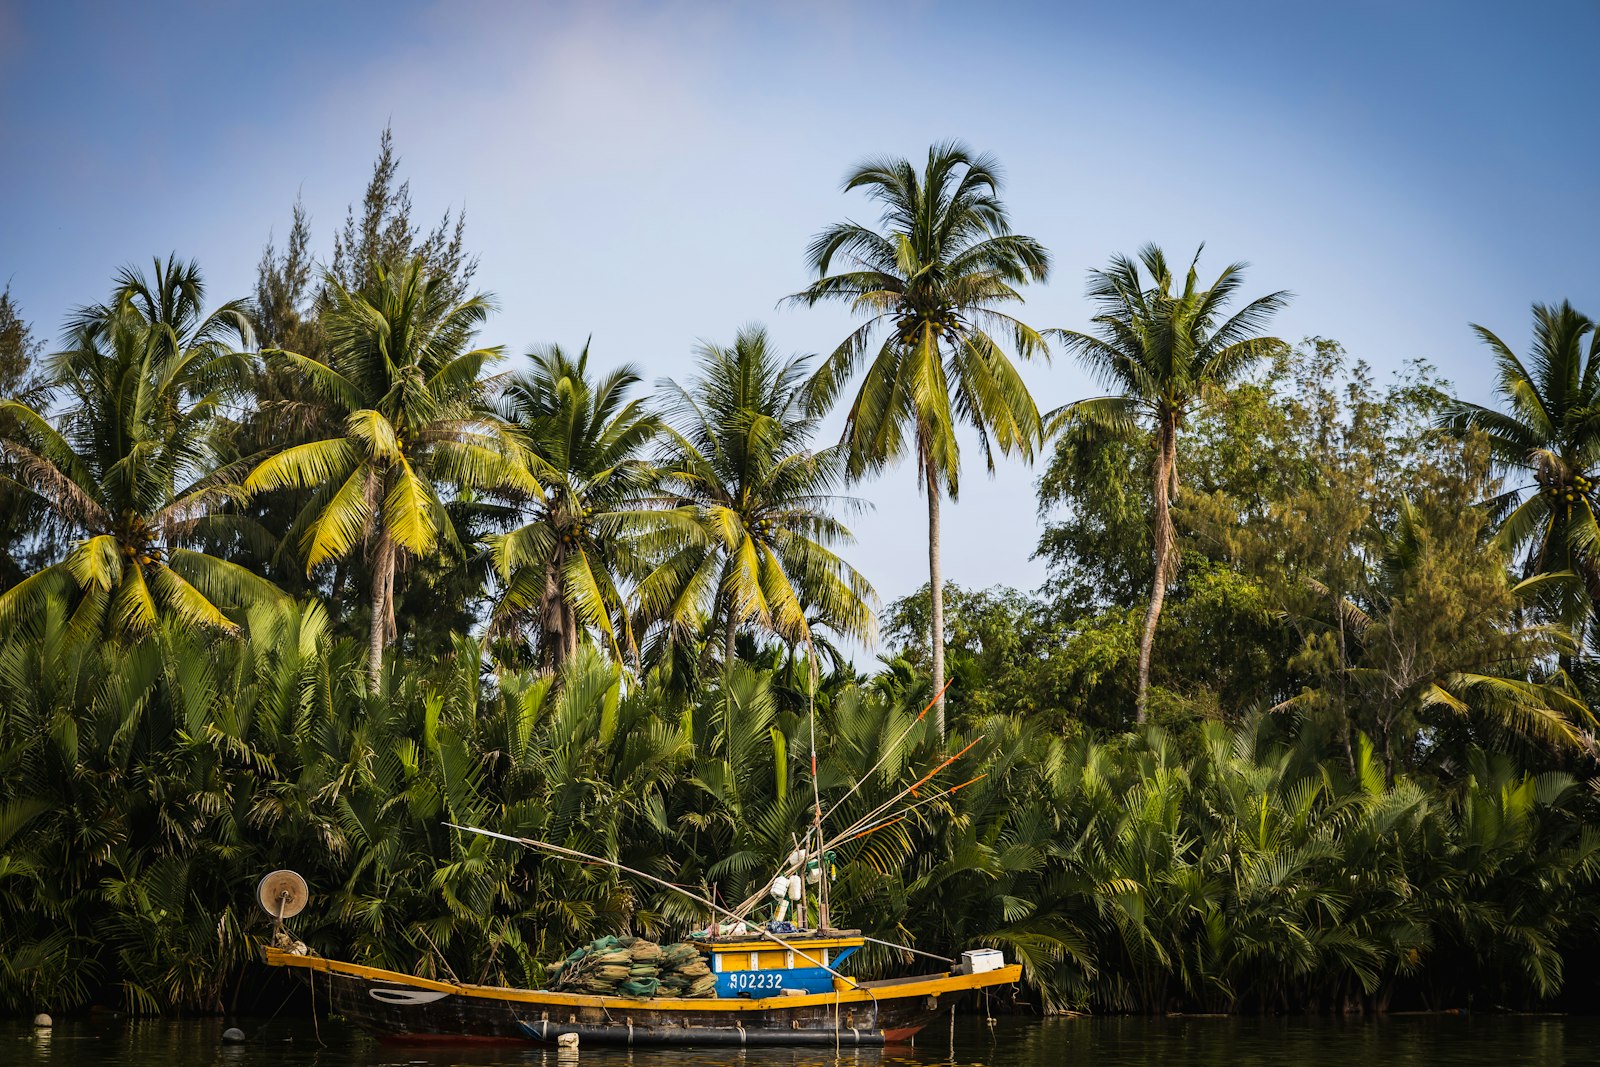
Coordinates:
1477 1041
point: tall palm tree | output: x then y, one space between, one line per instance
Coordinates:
754 521
1166 350
134 464
413 401
585 441
931 280
1549 434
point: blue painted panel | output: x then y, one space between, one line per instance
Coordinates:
770 983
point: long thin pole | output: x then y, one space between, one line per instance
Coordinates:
889 750
912 788
868 820
571 853
867 826
907 948
816 791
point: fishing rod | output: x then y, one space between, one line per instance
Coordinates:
861 830
816 794
909 790
889 750
572 853
858 828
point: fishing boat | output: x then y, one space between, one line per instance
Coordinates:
774 983
770 999
769 984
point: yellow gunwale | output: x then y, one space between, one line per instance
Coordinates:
763 945
854 993
801 949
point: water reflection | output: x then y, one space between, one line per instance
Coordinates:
1459 1041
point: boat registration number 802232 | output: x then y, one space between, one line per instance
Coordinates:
755 980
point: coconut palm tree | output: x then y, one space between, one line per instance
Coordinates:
585 441
134 464
754 518
930 281
1166 348
1550 437
413 400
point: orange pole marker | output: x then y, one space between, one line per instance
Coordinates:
924 779
935 699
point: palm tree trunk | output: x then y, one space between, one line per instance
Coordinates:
553 617
935 592
1165 475
569 633
1345 727
728 633
341 574
382 607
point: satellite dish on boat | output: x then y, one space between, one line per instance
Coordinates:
283 894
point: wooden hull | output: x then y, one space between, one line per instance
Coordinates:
402 1007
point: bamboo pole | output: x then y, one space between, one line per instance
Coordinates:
861 829
860 825
910 789
816 795
889 750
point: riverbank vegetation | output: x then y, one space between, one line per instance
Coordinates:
1301 720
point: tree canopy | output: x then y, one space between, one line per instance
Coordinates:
302 580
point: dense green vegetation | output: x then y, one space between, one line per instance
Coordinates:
298 580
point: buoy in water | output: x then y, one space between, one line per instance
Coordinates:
566 1040
43 1021
233 1036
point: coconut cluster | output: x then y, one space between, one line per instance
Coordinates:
1572 491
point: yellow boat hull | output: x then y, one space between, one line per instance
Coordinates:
403 1007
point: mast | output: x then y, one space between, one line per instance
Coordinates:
816 789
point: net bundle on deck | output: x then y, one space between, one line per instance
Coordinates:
633 967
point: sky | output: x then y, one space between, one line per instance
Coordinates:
648 175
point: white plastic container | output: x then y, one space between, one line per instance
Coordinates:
979 960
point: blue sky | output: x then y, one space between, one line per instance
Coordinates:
650 174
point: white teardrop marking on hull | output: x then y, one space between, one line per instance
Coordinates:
405 996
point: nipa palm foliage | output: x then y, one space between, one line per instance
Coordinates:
931 282
134 465
1240 875
410 392
1165 347
749 541
145 787
144 771
587 444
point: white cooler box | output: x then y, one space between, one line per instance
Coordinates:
979 960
